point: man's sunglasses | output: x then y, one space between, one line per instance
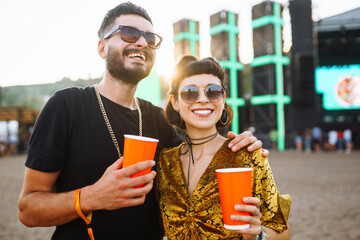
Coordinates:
189 94
131 35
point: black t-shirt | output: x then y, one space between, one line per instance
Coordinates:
70 135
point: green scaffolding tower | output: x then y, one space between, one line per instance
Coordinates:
186 38
152 83
224 26
276 58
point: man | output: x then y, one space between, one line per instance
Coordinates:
79 135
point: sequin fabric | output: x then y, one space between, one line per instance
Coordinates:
199 216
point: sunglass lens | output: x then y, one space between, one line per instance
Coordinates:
214 93
189 94
130 34
150 39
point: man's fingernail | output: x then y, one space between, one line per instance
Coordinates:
234 148
245 199
230 145
250 148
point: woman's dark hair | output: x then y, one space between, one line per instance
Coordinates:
121 9
189 66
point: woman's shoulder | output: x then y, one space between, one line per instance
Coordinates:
169 153
250 159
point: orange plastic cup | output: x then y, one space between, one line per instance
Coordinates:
234 184
138 149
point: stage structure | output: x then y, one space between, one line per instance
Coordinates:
224 33
306 104
337 75
186 38
268 77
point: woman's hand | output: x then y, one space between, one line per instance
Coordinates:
253 219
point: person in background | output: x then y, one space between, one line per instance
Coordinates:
317 139
332 139
273 138
355 135
3 145
340 141
326 144
348 141
74 177
307 140
186 186
298 141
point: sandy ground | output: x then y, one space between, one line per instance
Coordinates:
325 189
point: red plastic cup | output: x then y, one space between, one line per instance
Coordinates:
234 184
138 149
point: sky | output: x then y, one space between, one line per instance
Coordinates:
43 41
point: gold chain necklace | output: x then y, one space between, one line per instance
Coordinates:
116 144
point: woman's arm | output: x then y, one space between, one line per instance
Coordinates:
285 235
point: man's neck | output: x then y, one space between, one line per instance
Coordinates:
118 91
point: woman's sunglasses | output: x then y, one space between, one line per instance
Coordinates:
131 35
189 94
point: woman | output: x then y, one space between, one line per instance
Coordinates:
191 208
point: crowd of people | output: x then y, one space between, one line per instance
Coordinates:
15 142
315 139
8 145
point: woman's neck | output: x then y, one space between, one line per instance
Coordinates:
205 143
195 133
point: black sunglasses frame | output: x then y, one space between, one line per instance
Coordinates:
206 91
141 33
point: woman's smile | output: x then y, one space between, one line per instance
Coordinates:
202 112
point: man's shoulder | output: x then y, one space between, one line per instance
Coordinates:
151 109
150 105
70 98
74 91
73 95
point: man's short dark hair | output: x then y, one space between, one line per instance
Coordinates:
121 9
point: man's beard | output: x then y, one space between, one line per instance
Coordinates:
116 67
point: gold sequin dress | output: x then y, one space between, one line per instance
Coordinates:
199 216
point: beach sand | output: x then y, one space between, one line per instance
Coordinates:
325 191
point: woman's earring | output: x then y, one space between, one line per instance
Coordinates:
224 119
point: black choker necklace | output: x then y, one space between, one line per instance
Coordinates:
189 142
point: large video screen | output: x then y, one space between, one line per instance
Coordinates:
340 86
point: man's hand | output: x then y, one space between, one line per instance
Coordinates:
243 139
116 188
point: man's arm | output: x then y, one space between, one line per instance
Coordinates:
40 206
244 139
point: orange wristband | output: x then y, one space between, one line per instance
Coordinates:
87 219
